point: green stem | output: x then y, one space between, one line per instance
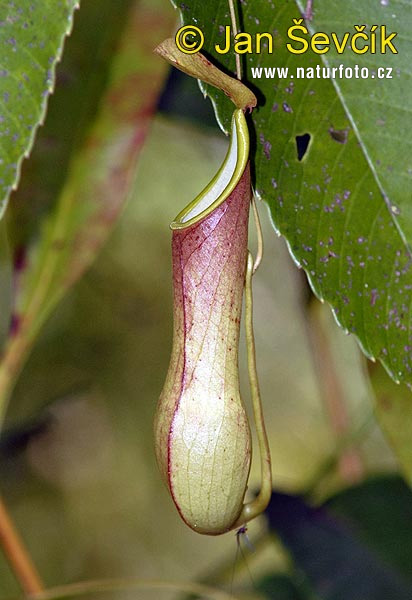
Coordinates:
259 252
332 392
234 32
17 555
114 585
258 505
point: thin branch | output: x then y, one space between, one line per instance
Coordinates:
235 32
258 505
17 555
333 396
114 585
259 253
308 14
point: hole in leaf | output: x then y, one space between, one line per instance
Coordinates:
302 143
339 135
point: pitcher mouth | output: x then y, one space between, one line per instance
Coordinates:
225 180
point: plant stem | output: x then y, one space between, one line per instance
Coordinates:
113 585
332 394
259 252
235 32
259 504
17 555
11 363
309 10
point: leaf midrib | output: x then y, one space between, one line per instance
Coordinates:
363 146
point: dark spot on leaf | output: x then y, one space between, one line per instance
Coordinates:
302 144
267 146
339 135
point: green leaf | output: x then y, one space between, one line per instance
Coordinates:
81 80
340 217
97 186
379 109
337 562
31 41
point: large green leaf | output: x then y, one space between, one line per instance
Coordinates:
379 109
71 111
97 186
31 42
343 207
